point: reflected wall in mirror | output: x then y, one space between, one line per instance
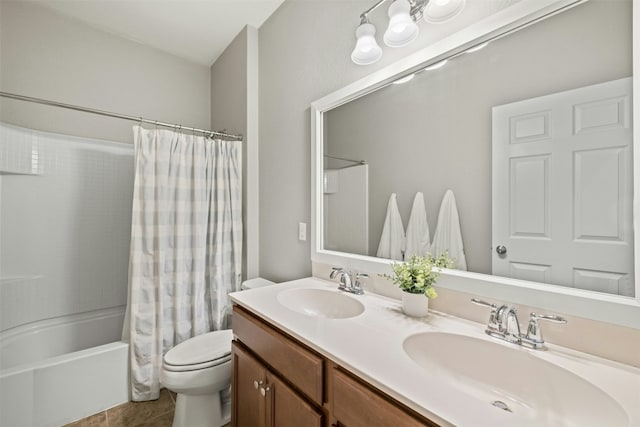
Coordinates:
532 133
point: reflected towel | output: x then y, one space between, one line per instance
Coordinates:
418 240
448 236
392 241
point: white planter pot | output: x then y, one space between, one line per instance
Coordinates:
415 305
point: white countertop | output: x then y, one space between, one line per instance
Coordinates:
371 346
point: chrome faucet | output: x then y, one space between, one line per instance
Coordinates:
503 324
347 283
507 317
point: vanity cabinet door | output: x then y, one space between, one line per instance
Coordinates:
285 408
354 404
249 376
261 399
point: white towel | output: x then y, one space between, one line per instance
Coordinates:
448 236
418 240
392 241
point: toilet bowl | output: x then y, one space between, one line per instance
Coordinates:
199 371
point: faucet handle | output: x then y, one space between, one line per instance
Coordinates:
335 271
550 317
493 324
533 338
483 303
357 288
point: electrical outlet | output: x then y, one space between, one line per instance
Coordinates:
302 231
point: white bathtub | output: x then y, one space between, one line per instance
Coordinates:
56 371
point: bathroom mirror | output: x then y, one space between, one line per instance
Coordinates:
444 125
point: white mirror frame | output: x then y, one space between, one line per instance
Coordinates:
614 309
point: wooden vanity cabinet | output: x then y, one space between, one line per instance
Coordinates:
261 399
356 404
276 382
249 376
279 382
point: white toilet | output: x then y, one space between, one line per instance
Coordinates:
199 371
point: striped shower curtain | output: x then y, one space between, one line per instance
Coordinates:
186 245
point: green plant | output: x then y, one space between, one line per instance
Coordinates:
418 274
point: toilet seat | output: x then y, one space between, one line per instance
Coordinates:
200 352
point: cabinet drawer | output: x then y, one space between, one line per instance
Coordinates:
353 404
298 365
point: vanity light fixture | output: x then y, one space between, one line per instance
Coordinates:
402 28
439 11
367 50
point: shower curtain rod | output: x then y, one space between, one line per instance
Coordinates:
209 133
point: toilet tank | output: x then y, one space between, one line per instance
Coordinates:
257 282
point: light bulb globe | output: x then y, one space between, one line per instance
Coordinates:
367 50
401 30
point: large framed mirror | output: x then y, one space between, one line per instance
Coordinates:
526 119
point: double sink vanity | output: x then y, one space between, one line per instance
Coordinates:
536 139
308 354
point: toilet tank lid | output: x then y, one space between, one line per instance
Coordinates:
258 282
201 348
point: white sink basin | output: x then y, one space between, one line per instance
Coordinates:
320 303
531 388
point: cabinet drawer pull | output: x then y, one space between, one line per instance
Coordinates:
257 384
264 391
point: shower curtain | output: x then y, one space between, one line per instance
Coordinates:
186 245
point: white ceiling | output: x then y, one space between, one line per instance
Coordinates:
197 30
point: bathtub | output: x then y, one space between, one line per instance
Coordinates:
56 371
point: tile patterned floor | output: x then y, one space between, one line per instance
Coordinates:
155 413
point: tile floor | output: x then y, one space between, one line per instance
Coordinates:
155 413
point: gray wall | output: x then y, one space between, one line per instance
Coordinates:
229 87
434 132
305 49
234 92
46 55
229 106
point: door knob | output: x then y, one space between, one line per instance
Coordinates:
501 250
264 391
257 384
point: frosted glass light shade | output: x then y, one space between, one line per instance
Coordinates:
439 11
367 50
401 30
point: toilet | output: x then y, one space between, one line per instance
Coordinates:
199 371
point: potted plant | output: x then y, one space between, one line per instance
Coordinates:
416 277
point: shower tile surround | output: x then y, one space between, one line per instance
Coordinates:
81 185
617 343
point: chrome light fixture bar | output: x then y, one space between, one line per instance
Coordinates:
402 28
